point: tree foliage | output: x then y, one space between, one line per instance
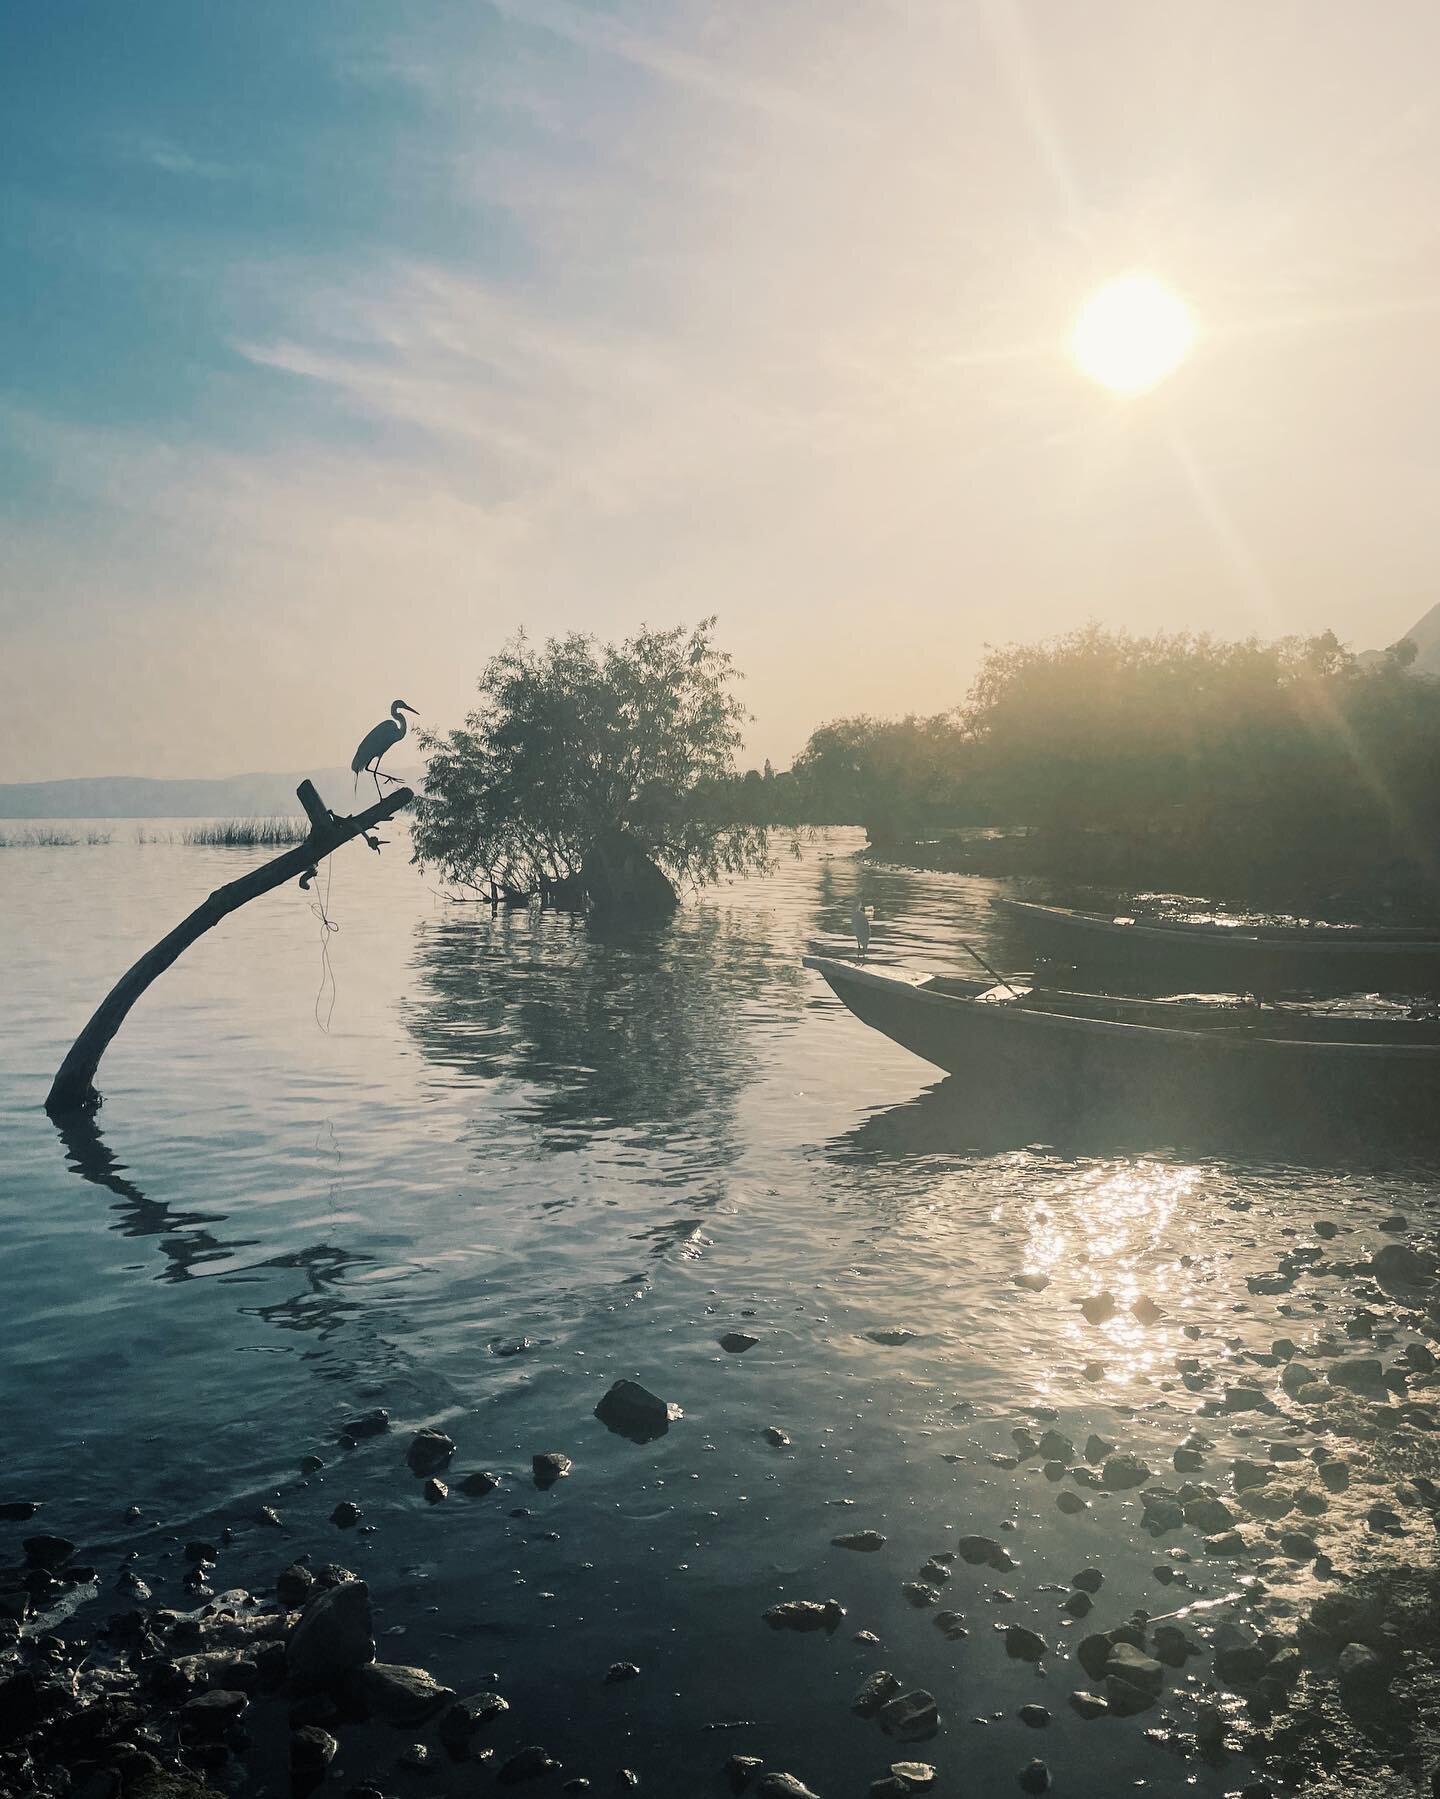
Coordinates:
1290 749
579 747
899 778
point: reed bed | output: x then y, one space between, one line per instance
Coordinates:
46 837
236 834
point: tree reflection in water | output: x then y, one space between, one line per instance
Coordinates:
636 1031
190 1245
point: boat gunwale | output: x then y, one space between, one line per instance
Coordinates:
1347 940
921 987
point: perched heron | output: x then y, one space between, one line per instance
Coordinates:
374 744
860 925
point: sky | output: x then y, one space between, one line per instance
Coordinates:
339 342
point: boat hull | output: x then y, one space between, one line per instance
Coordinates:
1084 1062
1217 959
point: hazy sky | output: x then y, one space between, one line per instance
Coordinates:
336 341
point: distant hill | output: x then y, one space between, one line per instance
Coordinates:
1425 635
131 796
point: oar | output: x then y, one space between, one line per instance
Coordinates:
998 979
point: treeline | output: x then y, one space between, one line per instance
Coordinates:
1169 757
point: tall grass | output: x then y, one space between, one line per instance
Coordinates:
46 837
246 833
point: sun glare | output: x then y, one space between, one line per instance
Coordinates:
1132 333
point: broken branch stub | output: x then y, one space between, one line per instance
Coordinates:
73 1088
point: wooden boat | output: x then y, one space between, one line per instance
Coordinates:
1082 1043
1154 953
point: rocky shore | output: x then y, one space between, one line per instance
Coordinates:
1293 1645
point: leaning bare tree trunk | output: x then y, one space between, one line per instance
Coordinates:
73 1088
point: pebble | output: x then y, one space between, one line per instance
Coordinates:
549 1466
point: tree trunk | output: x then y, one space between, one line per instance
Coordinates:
618 876
73 1088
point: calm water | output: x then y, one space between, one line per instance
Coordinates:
616 1147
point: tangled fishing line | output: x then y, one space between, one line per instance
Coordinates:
321 910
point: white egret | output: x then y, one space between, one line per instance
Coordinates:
374 744
860 925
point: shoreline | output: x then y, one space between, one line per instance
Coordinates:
1293 1640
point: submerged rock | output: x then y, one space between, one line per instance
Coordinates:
910 1716
368 1424
549 1466
480 1483
891 1335
740 1770
429 1451
865 1541
397 1694
783 1786
528 1763
737 1342
805 1615
465 1716
634 1412
1122 1472
881 1687
1023 1644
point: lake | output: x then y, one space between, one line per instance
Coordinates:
476 1167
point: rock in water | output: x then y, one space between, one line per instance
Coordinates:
397 1694
737 1342
806 1615
892 1335
466 1716
912 1716
1398 1265
740 1770
1024 1645
335 1634
368 1424
865 1541
783 1786
429 1451
1363 1676
632 1411
528 1763
1035 1778
1124 1471
312 1749
480 1483
881 1687
47 1552
549 1466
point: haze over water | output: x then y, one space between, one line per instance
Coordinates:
609 1148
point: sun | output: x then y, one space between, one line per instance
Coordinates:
1132 333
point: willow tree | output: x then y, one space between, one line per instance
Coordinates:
592 769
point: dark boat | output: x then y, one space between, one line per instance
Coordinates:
1205 1056
1162 953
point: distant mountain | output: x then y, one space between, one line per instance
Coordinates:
1425 635
238 796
